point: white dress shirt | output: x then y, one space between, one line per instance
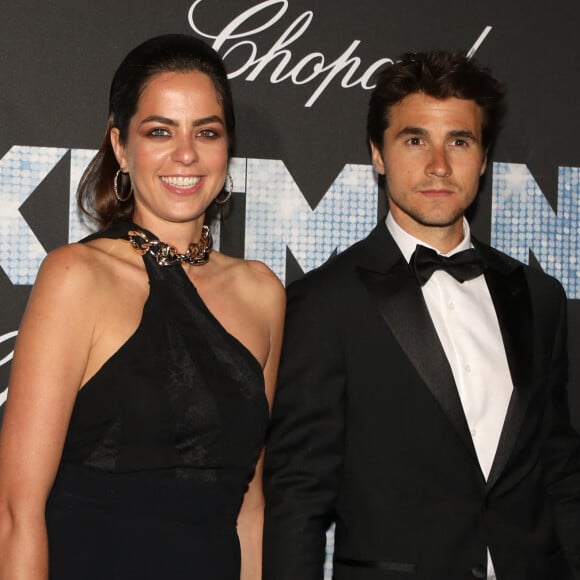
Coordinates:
467 326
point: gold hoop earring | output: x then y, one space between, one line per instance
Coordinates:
116 188
229 192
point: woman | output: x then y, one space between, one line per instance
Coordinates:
138 399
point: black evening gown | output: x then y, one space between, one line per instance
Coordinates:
162 443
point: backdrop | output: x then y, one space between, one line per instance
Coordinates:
301 73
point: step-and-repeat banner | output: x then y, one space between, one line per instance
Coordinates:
301 73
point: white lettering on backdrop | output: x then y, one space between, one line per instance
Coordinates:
299 70
5 360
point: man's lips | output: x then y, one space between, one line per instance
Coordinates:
436 192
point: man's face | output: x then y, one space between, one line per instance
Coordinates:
432 158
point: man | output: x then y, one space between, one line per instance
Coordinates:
426 415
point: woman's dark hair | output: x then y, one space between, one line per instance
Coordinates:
439 74
166 53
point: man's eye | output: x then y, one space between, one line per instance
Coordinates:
414 141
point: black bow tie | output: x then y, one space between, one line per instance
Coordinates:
462 266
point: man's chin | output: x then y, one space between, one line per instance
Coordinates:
438 221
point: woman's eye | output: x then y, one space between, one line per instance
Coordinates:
159 132
208 133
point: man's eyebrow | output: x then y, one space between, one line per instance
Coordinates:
411 131
464 133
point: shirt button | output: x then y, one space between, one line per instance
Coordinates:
474 433
451 305
467 368
478 571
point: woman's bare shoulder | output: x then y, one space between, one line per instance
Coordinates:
70 264
254 275
78 268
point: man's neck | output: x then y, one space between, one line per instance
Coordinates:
442 238
407 242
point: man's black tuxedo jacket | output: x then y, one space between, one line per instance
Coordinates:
368 430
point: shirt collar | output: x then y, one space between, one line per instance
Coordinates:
407 243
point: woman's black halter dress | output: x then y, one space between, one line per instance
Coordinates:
162 443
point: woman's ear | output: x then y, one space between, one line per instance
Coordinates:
118 148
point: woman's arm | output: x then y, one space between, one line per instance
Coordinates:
272 300
50 357
250 526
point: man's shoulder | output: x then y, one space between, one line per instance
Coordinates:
535 276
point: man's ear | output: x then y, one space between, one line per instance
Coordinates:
377 159
483 164
118 148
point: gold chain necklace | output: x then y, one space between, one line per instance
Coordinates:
166 255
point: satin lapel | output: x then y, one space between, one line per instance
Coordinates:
403 308
509 292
